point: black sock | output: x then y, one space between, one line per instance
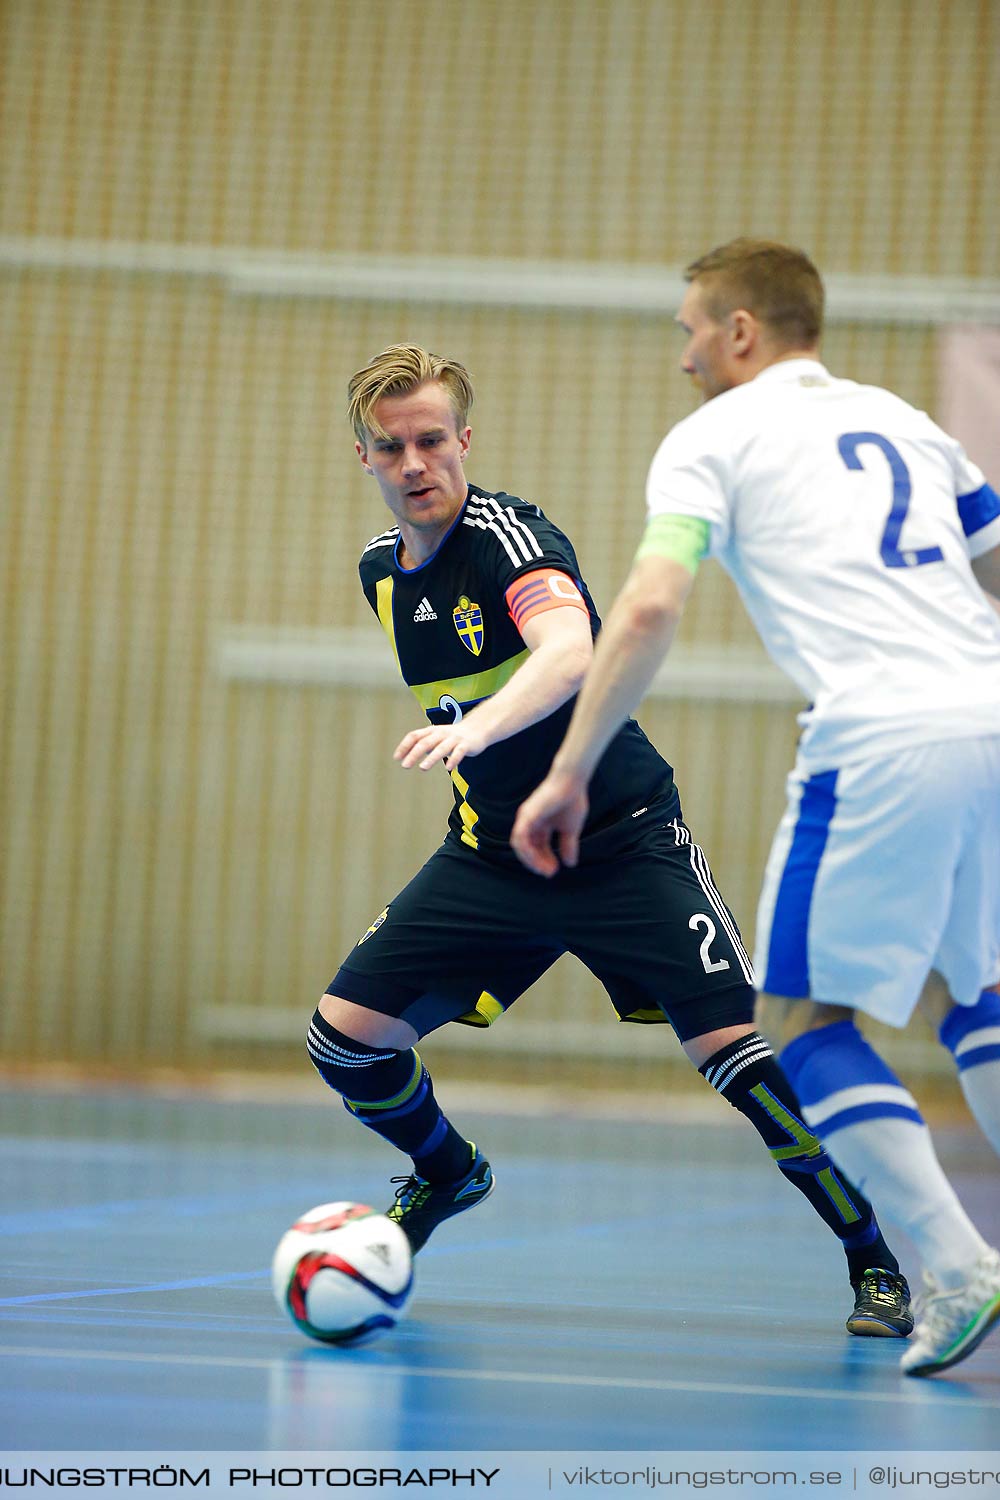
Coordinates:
390 1092
749 1076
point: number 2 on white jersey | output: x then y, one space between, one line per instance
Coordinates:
893 557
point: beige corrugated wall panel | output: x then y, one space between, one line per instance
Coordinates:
587 129
103 613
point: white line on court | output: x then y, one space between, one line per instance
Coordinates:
922 1392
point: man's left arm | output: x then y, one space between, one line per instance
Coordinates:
636 637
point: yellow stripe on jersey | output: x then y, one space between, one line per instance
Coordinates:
467 814
383 601
466 689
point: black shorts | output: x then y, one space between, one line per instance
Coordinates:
468 935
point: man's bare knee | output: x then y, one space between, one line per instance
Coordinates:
782 1019
367 1026
935 999
700 1048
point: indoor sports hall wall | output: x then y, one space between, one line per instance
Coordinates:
198 806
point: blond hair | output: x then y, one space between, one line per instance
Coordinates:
778 284
395 372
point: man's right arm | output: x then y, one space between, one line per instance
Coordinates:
636 636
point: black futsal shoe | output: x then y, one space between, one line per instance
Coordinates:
881 1306
421 1206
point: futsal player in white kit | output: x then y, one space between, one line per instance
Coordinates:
864 544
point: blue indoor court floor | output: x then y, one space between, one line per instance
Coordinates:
646 1286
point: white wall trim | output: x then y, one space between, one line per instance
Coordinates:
541 285
525 1036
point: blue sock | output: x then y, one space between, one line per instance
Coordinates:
840 1080
877 1136
972 1035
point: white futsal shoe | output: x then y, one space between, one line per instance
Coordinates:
954 1321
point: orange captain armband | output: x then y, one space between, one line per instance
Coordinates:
544 588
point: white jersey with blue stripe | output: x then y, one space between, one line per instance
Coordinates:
848 520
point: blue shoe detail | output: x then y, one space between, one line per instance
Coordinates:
421 1206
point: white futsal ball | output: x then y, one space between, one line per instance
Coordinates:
343 1272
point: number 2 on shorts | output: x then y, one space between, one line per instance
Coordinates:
711 965
902 489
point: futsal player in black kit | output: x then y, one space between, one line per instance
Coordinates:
492 626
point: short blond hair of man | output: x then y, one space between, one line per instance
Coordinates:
397 371
777 283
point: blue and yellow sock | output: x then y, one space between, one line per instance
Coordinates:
748 1075
390 1092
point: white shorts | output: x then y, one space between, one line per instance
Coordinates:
882 871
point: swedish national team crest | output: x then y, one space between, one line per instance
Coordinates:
468 618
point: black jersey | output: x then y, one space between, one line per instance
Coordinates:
456 644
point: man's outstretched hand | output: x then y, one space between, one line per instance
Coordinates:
450 743
546 832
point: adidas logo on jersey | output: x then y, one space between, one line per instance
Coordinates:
424 611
